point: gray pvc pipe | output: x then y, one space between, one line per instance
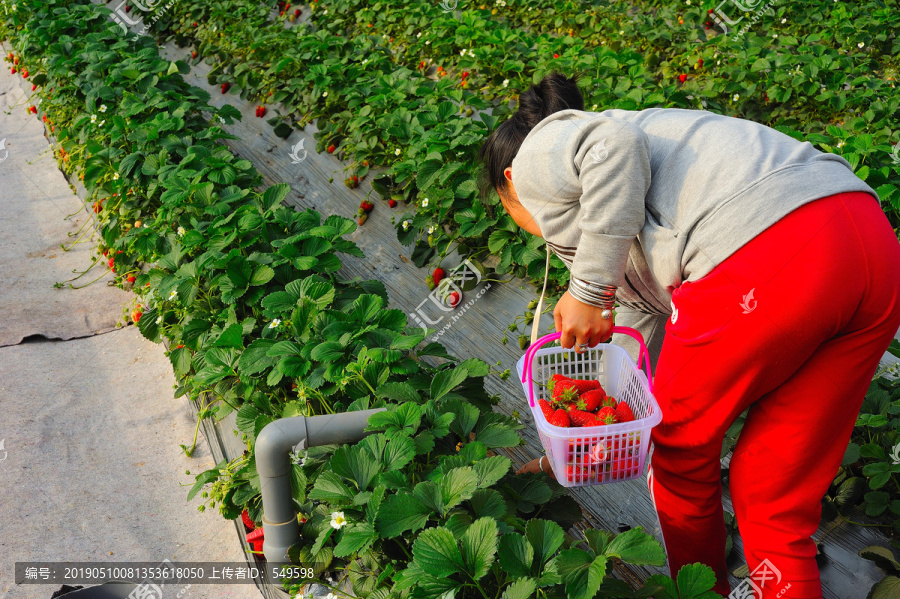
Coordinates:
273 463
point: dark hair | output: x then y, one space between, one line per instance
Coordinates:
555 92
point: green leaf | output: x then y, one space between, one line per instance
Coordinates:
181 360
520 589
435 551
274 196
694 580
637 547
491 470
355 464
546 538
479 545
233 336
488 502
882 556
330 487
400 513
404 418
498 435
255 358
516 555
446 380
581 573
396 391
458 485
887 588
261 275
355 538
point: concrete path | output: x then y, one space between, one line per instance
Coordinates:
90 464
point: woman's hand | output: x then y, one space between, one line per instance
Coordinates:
580 323
541 464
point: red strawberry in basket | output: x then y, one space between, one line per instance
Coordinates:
593 399
559 418
609 401
624 413
607 415
624 467
582 418
546 408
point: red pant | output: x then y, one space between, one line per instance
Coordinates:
800 352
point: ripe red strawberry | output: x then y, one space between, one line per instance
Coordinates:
546 408
608 401
465 74
556 56
331 149
194 54
16 60
366 205
33 87
453 298
112 262
262 111
582 418
25 74
438 275
130 278
136 315
559 418
34 109
195 24
245 516
225 87
624 413
392 203
607 416
127 8
296 12
700 62
593 399
422 64
13 70
44 118
682 78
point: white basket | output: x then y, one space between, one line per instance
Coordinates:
594 455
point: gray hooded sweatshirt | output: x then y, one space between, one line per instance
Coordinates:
645 200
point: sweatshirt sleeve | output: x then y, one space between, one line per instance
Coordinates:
614 171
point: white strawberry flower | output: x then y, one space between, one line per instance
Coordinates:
506 83
783 21
115 176
775 36
274 324
418 35
174 294
397 152
103 108
688 2
427 42
462 52
736 97
221 120
860 45
181 231
337 520
324 94
425 203
102 122
365 61
93 118
431 229
405 225
330 596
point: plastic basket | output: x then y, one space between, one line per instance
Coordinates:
595 455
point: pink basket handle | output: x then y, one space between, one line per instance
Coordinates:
532 349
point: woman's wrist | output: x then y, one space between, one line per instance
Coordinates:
593 294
